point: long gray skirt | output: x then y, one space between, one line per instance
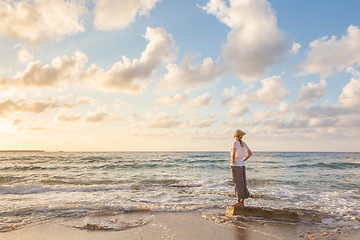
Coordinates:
239 179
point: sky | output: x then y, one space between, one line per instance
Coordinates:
170 75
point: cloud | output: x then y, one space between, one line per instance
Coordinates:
62 69
23 55
62 117
115 118
16 122
264 114
286 123
172 101
81 100
191 76
39 20
282 112
350 122
128 76
9 106
156 134
204 100
284 108
323 111
162 120
314 117
237 111
254 42
328 56
322 122
197 121
227 96
295 48
307 94
118 14
271 93
97 117
350 96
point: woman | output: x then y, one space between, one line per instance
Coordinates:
240 153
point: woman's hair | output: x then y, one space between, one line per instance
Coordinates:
239 134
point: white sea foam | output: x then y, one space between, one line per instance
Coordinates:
34 189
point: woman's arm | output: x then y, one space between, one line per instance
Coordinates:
248 155
233 155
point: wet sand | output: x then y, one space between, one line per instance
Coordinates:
158 225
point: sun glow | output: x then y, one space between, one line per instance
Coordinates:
7 127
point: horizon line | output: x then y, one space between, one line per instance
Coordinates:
98 151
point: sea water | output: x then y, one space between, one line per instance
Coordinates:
40 186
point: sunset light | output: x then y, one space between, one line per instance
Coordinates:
179 75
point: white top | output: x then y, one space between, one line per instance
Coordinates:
240 154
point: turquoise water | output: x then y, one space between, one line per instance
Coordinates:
38 186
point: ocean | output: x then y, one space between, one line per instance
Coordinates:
46 185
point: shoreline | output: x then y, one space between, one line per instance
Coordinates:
166 225
21 151
164 151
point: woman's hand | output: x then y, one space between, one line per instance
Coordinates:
248 155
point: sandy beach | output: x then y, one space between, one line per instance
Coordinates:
188 225
158 225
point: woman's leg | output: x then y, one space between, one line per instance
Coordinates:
236 176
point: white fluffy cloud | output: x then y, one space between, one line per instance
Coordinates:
204 100
319 121
322 112
62 69
350 96
129 75
237 110
97 117
81 100
62 117
227 96
172 101
23 55
191 76
198 121
295 48
117 14
163 120
307 94
327 56
9 106
271 93
126 75
254 42
39 20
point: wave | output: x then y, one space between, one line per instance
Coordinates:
91 159
81 183
9 179
36 189
255 182
322 165
33 168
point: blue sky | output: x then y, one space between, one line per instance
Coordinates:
103 75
